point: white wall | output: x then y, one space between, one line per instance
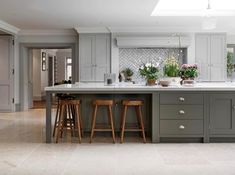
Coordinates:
36 74
61 55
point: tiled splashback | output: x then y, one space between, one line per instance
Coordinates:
133 58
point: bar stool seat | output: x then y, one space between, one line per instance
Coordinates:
96 104
137 104
69 117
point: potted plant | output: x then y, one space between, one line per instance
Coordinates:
150 72
188 72
128 74
230 64
171 70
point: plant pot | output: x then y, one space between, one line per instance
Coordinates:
174 80
151 82
187 81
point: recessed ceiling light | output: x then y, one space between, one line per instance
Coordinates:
194 8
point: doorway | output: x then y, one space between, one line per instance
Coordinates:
49 67
41 65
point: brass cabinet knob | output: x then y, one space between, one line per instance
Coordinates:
182 127
181 112
181 99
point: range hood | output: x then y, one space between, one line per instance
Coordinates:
145 42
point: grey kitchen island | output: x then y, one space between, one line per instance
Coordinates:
204 111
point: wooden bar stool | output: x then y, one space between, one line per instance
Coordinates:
69 118
137 104
109 104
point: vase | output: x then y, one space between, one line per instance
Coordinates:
174 80
187 81
151 82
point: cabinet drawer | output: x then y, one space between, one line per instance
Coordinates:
181 111
181 98
181 127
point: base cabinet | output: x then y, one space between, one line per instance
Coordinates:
222 114
208 115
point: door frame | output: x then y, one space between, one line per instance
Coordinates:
11 39
24 66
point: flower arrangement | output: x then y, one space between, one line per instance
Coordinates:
171 67
150 72
188 71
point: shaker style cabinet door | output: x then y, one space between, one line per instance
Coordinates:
210 52
94 57
217 59
202 51
102 56
86 58
222 114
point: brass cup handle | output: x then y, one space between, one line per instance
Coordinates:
181 99
182 127
181 112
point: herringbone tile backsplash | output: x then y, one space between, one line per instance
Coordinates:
133 58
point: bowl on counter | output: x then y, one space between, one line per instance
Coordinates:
164 82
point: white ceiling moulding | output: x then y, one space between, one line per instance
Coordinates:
92 30
138 42
58 32
8 28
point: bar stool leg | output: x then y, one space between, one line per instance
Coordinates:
78 122
111 122
80 118
123 123
93 123
56 118
60 123
141 123
70 120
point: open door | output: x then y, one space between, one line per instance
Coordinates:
6 74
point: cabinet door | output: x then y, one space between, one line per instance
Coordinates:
202 46
222 119
86 58
102 56
217 58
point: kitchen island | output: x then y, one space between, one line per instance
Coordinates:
204 111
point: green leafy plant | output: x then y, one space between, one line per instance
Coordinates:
149 71
230 64
171 67
188 71
128 72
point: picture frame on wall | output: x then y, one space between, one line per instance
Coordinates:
43 61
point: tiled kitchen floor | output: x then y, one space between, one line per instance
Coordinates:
22 152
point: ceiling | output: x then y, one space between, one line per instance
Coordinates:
67 14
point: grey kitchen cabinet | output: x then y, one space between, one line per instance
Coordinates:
181 115
94 57
210 52
222 114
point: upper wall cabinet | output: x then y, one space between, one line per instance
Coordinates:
94 56
211 56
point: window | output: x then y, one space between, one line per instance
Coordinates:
230 62
68 68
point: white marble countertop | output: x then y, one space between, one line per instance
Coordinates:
119 87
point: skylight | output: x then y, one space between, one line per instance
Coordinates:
194 8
